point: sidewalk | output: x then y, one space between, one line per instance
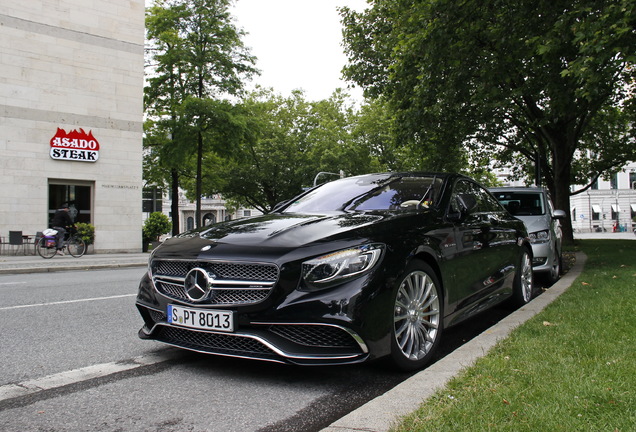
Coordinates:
605 235
17 264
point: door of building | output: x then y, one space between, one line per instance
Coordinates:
77 194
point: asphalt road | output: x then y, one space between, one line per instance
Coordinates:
71 360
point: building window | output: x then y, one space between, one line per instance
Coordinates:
595 185
189 223
615 211
247 213
596 212
614 181
632 180
151 201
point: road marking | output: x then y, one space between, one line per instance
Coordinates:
12 283
10 391
66 302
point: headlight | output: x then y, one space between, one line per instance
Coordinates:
337 267
540 236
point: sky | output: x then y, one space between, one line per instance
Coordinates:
298 44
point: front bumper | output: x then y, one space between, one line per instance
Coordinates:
288 326
542 257
291 343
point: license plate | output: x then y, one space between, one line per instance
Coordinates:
204 319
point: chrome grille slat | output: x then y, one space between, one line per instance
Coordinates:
223 270
234 283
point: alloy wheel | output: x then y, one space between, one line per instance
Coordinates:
526 278
416 315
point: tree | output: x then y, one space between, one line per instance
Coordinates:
156 225
285 142
527 81
196 55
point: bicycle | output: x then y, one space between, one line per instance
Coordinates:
73 243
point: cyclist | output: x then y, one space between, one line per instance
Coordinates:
60 222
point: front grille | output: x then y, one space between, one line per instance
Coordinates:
223 270
218 296
214 342
232 283
315 335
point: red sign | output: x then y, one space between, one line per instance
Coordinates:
76 146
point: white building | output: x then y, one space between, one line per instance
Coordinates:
71 113
609 205
213 209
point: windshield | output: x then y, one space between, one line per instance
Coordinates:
522 203
366 193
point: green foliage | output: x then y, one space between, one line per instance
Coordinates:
86 231
156 225
285 142
194 55
520 82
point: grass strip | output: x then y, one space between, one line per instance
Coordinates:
570 368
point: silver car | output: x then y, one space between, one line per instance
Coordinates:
534 207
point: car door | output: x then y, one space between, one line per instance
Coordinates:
485 248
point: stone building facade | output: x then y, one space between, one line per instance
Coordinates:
71 113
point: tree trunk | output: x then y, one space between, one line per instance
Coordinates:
174 207
197 215
562 173
562 202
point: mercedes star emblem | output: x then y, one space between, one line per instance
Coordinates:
197 284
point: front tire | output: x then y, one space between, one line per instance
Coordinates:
417 317
76 247
555 270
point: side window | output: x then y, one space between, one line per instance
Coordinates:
461 188
550 204
486 202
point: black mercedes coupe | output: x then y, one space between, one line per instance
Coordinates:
361 268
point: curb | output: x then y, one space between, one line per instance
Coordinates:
385 411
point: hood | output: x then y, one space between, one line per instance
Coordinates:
267 234
291 230
536 223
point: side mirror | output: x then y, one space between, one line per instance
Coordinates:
558 214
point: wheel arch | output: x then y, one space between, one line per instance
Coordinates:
430 259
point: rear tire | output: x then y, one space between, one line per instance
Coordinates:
44 251
417 311
523 287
